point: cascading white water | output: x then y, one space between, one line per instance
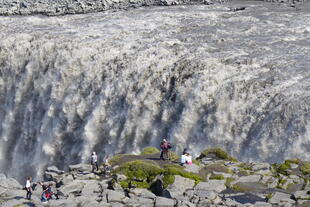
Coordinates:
116 82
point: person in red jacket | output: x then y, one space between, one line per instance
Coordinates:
165 146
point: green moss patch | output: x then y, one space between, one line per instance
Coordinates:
229 181
305 168
149 151
140 170
217 177
219 153
141 173
178 170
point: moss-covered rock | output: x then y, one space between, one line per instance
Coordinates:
140 170
149 150
305 168
217 177
178 170
217 167
218 152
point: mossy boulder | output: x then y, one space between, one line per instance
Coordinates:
216 167
305 168
178 170
140 174
140 170
149 151
218 152
285 167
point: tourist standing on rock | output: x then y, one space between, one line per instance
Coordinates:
165 146
28 188
94 162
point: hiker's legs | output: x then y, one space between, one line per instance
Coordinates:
97 166
168 155
161 154
28 194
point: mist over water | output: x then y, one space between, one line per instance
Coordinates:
116 82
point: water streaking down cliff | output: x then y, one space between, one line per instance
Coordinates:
117 81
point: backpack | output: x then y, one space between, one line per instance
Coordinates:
169 145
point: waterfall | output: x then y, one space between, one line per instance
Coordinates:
116 82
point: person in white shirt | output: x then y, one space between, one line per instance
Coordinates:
183 159
94 162
188 159
28 188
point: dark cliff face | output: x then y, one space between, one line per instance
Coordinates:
119 81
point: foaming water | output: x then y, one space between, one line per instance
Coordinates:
116 82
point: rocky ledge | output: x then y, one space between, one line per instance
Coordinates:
61 7
214 179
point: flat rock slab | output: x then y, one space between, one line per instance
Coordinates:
142 192
247 179
164 202
262 204
279 197
192 168
211 185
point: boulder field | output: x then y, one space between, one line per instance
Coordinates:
214 179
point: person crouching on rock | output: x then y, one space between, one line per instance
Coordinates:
94 161
28 188
44 192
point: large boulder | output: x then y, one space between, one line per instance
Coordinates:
91 188
80 168
54 169
180 185
211 185
74 188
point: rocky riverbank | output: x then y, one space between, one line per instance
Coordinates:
61 7
215 179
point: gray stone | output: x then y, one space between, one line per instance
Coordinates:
301 195
211 185
262 204
10 183
192 168
180 185
142 192
91 188
260 166
74 188
164 202
115 196
247 179
185 203
206 194
62 203
87 201
54 169
279 197
80 167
